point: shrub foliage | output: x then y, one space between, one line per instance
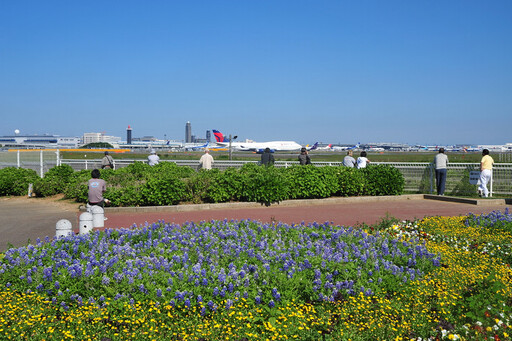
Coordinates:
15 181
169 184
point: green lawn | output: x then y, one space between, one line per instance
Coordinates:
315 156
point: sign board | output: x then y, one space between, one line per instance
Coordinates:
474 177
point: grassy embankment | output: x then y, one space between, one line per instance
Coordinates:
316 156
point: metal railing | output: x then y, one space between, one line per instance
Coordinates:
419 176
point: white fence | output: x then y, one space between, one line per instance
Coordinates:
39 160
419 177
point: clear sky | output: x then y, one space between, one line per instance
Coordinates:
418 72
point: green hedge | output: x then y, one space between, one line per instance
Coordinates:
54 181
169 184
15 181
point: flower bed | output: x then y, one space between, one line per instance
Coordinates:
247 280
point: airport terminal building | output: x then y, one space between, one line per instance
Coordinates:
39 141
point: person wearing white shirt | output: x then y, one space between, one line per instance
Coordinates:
362 161
441 162
206 161
153 159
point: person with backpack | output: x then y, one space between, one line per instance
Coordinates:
107 161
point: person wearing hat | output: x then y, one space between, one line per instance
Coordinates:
304 158
107 161
153 159
206 161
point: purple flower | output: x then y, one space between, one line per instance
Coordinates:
229 304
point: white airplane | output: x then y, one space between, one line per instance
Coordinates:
195 146
258 147
340 148
376 149
328 147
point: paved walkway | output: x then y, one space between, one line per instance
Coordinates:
345 213
23 219
29 219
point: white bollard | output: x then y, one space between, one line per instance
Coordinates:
85 223
98 216
63 228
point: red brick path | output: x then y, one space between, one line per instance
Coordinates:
339 214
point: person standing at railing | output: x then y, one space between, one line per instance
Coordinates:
362 160
267 159
349 161
441 162
206 161
304 158
153 159
485 173
107 161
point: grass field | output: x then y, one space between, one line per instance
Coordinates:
315 156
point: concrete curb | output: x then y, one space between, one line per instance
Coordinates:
304 202
478 202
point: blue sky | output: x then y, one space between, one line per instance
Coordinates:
426 72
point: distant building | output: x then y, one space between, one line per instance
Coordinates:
145 139
188 133
39 141
100 137
129 135
208 135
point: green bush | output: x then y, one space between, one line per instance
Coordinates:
350 182
54 181
311 182
15 181
130 195
167 184
165 168
226 186
198 185
382 180
76 188
168 190
263 184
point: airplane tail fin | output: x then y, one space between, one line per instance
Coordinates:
355 146
218 136
315 146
